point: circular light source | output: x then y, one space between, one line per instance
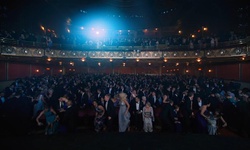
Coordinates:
198 60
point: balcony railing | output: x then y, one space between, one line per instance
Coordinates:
97 47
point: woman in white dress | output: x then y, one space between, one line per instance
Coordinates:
148 117
123 114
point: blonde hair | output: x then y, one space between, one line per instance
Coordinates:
123 96
149 104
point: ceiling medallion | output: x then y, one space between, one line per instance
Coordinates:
102 54
175 54
39 52
196 53
93 54
63 53
73 53
238 51
222 52
111 54
52 53
208 53
84 54
156 54
25 51
120 54
185 54
129 54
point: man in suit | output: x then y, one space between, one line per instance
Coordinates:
188 112
167 116
153 100
99 95
69 118
142 92
109 112
111 90
136 108
122 89
82 98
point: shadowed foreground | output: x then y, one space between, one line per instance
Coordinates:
125 141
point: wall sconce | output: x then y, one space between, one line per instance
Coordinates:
198 60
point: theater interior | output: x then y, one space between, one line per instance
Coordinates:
154 38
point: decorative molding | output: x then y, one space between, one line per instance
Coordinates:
118 54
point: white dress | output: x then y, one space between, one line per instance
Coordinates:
148 118
124 119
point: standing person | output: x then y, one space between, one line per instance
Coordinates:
82 98
152 98
69 119
148 117
109 113
188 114
99 116
51 119
144 101
167 115
177 122
123 114
99 95
136 114
202 117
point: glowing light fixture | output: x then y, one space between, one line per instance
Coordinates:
198 60
42 27
205 28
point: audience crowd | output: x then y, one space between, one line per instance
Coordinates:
80 42
124 103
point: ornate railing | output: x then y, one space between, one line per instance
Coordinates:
34 49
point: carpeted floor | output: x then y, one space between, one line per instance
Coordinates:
85 140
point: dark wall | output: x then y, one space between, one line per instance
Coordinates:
2 71
245 72
230 72
18 71
238 72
